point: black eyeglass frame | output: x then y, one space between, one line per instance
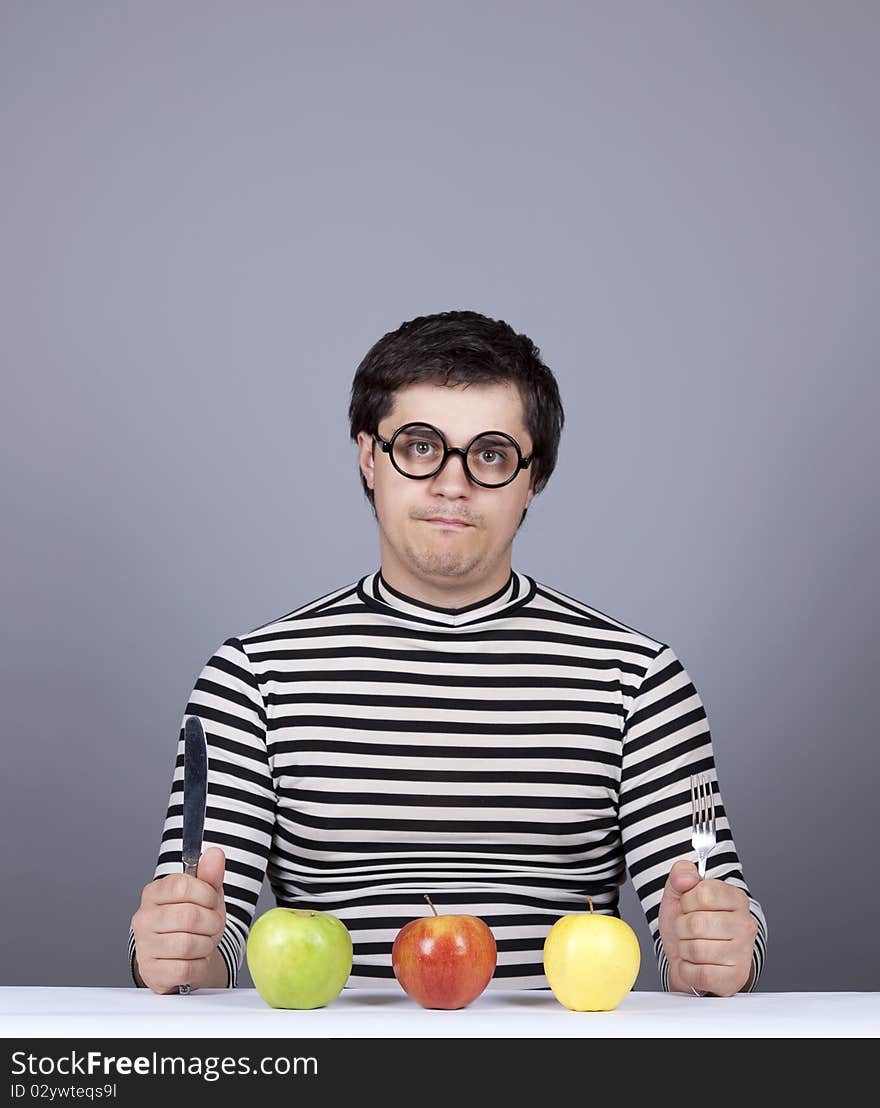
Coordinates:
388 448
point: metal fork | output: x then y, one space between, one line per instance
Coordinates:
702 819
702 826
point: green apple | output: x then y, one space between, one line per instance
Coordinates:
298 957
591 960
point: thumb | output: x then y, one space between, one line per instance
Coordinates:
682 878
212 866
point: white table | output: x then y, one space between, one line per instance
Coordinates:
27 1012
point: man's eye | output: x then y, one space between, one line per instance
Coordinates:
419 448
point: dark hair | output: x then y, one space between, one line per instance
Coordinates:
460 348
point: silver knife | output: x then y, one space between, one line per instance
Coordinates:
195 796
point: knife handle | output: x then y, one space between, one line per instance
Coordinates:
184 990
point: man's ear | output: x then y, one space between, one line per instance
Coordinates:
367 456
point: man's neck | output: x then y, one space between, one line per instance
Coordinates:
449 592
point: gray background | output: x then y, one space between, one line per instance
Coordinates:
210 211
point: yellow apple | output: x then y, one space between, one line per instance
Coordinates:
591 961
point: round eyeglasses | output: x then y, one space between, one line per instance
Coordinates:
419 451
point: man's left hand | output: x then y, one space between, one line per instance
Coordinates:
708 933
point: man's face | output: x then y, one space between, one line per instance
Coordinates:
410 545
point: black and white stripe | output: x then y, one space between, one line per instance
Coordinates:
509 759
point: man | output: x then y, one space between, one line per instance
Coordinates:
446 725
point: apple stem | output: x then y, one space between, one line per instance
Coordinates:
590 902
433 909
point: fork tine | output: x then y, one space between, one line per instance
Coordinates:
704 804
712 802
699 818
693 803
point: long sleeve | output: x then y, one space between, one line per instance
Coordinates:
241 799
666 738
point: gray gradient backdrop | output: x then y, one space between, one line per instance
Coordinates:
210 211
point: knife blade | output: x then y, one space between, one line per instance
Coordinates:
195 796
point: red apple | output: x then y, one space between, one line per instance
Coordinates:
444 961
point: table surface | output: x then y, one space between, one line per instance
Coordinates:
367 1013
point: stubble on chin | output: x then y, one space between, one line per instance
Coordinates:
434 562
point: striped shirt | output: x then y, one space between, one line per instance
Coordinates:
508 758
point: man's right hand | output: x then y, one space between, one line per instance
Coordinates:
178 927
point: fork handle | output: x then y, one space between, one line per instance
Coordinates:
701 869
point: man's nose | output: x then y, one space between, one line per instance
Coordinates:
453 471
